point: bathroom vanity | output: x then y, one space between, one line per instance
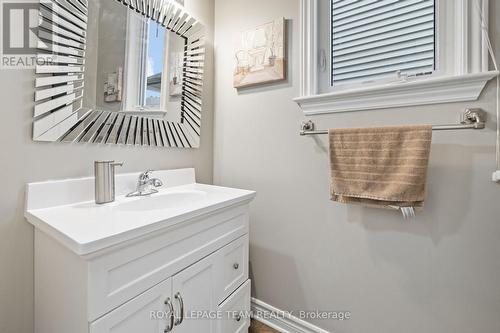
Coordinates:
175 261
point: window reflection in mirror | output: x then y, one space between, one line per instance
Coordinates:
154 45
134 63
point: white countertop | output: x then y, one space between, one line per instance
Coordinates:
86 227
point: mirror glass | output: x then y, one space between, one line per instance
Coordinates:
120 72
134 63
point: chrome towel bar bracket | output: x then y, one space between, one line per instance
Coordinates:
469 119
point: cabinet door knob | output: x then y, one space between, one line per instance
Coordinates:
169 328
236 265
238 318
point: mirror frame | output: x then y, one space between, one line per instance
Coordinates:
59 114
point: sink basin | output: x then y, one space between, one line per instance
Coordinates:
162 201
66 210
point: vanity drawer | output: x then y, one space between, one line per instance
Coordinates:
126 272
234 260
236 311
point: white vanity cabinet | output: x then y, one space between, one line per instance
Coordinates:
193 294
188 274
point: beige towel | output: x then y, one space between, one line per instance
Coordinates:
382 166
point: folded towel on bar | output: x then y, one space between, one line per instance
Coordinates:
381 166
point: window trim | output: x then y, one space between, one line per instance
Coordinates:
464 82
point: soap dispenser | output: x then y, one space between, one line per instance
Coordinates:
105 181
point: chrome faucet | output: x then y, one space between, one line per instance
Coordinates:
145 185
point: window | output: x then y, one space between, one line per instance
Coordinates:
369 54
153 67
155 52
372 40
145 57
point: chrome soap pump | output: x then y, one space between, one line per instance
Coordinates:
104 172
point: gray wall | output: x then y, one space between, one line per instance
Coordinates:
23 161
438 273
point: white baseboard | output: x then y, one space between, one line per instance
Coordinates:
280 320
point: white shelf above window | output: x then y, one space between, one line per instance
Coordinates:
446 89
463 77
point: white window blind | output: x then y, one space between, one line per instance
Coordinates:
374 39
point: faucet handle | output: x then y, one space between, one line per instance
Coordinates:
145 175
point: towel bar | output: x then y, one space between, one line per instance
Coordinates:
470 119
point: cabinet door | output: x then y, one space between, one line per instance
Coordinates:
149 312
236 311
195 290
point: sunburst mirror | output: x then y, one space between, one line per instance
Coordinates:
119 72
